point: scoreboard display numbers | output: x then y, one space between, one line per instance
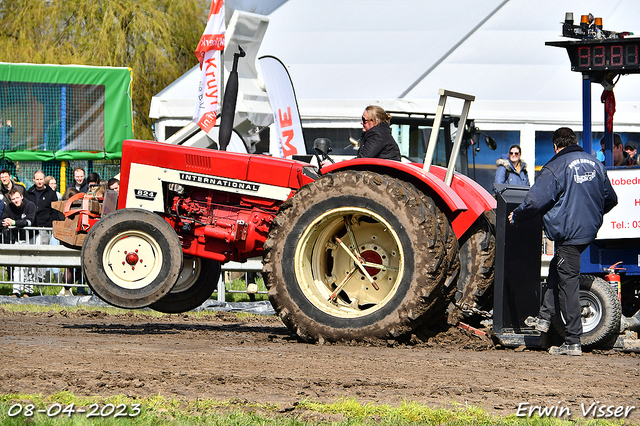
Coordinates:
603 55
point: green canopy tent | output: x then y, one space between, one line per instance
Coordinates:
64 112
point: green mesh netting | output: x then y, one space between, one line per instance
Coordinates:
51 117
63 112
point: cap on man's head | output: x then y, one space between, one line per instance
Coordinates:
629 147
617 140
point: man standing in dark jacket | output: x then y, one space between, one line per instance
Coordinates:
572 194
19 213
42 196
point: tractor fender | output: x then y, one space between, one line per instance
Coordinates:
463 202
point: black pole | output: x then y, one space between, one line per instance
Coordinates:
229 103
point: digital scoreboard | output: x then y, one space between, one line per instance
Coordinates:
621 55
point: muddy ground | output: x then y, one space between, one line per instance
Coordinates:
258 360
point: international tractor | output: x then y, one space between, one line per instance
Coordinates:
363 248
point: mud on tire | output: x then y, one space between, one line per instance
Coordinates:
317 288
450 265
477 270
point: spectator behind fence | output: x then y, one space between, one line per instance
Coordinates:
114 184
52 183
79 181
72 274
620 157
631 150
19 213
42 196
93 178
5 134
8 185
512 170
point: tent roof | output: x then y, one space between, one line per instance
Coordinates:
345 54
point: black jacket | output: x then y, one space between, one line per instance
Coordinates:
45 214
572 194
23 215
4 192
83 188
377 142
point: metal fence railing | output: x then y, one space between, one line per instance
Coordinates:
30 257
27 259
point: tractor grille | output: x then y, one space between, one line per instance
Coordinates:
199 162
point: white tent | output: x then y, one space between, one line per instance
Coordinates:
345 54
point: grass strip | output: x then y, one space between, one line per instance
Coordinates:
60 309
64 408
238 284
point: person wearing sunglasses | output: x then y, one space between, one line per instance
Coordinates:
512 170
376 140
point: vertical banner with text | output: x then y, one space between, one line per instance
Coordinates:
208 53
285 107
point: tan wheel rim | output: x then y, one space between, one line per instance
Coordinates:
339 275
132 259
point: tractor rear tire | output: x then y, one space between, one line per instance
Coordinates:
601 312
131 258
450 266
319 290
477 271
198 280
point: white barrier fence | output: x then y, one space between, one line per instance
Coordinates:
26 259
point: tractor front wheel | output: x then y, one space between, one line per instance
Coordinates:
131 258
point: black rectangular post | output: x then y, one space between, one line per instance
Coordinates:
517 287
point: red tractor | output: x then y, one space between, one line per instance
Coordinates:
364 248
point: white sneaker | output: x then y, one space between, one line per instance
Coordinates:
61 292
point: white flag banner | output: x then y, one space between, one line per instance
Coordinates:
208 53
285 107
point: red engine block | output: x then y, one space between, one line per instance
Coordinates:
221 226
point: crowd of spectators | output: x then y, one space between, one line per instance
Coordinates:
22 208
